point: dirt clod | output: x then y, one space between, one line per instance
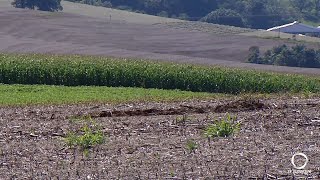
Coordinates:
240 105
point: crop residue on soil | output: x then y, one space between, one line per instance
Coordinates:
234 106
149 141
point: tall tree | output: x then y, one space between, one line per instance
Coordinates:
316 5
300 5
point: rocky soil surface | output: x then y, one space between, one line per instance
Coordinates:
149 141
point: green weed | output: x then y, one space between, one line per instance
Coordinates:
223 128
191 146
89 136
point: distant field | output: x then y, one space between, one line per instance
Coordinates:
118 15
88 30
104 13
224 30
100 12
276 35
5 3
209 28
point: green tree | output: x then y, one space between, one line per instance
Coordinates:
254 55
296 56
43 5
224 16
316 5
301 5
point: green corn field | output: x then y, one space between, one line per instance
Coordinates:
75 70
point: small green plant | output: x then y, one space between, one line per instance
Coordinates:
183 119
223 128
191 146
89 136
172 174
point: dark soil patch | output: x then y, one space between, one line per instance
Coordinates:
240 105
153 112
234 106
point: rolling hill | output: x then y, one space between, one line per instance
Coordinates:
88 30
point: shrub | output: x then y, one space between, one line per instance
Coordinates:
254 55
107 4
163 14
183 16
224 16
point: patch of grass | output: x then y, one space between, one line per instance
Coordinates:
99 71
90 135
44 94
223 128
191 146
87 139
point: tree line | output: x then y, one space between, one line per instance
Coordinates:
258 14
296 56
43 5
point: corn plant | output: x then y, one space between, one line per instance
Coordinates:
99 71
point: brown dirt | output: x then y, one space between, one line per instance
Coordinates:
154 146
234 106
25 31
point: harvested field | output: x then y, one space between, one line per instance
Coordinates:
153 146
230 30
25 31
119 15
209 28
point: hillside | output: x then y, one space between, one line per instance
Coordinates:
75 32
116 15
104 13
256 14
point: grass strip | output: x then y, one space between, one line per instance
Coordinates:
11 95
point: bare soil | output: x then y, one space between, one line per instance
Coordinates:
27 31
146 144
